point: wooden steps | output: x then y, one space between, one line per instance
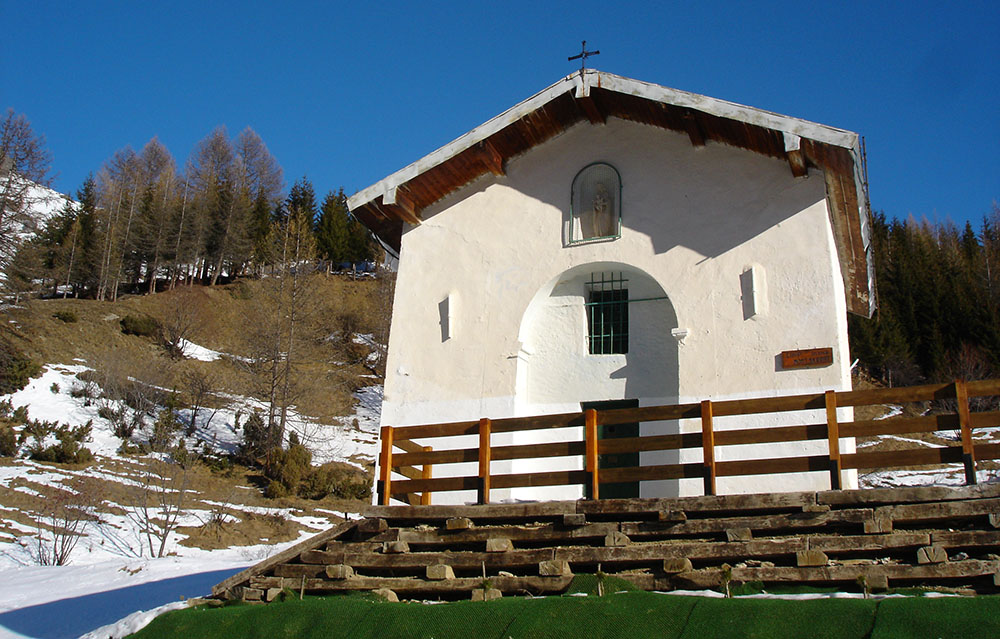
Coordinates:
887 537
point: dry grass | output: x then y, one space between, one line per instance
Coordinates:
242 529
222 319
227 501
219 318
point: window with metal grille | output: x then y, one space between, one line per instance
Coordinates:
607 313
595 207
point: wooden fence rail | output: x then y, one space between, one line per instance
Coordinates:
416 461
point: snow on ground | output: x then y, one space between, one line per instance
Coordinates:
894 410
49 397
108 578
908 440
944 475
192 350
68 601
132 623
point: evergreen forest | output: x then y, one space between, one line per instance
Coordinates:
938 315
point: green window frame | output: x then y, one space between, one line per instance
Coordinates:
607 314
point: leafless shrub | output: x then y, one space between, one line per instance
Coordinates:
127 397
157 502
198 386
179 324
968 363
61 524
385 292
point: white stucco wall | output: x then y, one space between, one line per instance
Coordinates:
694 220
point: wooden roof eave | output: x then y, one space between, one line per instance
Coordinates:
402 196
580 84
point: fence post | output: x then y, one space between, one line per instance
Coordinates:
384 483
590 421
484 461
833 435
708 446
968 451
425 473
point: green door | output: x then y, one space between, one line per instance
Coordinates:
619 490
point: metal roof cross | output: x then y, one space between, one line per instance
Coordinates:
583 55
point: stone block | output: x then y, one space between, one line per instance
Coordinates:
385 594
339 571
932 555
486 594
439 572
671 515
675 565
499 544
878 524
805 558
372 526
458 523
252 594
877 581
616 539
574 520
994 519
554 568
738 534
271 594
816 508
395 547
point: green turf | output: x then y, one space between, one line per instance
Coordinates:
768 618
940 617
626 615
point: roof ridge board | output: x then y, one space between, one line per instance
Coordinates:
731 110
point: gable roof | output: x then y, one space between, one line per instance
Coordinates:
594 96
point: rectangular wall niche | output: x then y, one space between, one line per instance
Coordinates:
446 313
753 288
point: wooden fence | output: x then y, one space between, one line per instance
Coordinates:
415 462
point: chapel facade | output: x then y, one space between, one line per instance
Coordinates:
611 243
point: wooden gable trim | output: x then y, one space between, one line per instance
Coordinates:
593 96
492 158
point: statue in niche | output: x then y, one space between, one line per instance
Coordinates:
602 222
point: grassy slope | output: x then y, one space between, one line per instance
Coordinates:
631 614
220 317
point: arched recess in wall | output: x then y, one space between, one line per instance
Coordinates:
556 368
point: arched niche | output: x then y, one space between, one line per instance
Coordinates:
557 370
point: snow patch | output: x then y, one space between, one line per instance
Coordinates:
132 623
194 351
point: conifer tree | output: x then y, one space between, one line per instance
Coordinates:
332 230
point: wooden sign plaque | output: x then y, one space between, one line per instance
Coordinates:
808 358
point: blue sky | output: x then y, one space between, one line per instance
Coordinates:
347 93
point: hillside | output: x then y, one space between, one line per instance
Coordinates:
169 413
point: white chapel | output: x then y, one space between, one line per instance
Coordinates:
609 242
